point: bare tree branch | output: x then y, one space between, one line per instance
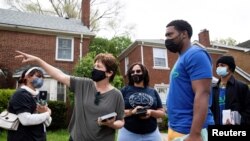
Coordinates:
39 7
103 13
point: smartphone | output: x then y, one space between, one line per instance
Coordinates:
108 116
42 97
141 112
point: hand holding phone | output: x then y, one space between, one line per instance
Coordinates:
141 112
42 98
107 117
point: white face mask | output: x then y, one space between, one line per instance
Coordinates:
222 71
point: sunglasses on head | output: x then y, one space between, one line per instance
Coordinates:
137 71
97 98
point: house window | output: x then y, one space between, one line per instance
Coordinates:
126 65
60 91
65 49
162 90
160 58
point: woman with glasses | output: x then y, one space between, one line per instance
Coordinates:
33 117
94 98
142 107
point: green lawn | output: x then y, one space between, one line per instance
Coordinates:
60 135
2 135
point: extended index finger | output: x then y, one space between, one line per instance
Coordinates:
19 52
19 56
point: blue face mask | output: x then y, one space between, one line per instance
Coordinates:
37 82
222 71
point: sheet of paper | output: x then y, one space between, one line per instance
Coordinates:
226 116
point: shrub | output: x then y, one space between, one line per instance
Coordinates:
5 95
58 109
163 124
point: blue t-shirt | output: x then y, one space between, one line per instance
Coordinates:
193 64
146 97
222 102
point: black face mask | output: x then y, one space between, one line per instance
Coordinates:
137 78
97 75
172 46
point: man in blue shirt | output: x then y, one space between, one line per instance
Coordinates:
190 83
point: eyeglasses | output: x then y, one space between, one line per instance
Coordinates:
97 98
137 71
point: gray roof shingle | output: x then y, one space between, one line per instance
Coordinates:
43 22
245 44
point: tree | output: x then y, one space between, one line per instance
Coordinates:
118 81
85 66
118 44
228 41
100 45
102 14
115 45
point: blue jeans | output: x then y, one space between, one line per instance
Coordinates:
125 135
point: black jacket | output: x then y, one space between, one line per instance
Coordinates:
237 98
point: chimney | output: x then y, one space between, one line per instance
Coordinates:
86 12
204 38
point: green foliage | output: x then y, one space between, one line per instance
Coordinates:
118 82
118 44
70 97
3 134
70 101
5 95
99 45
102 45
85 65
58 135
163 125
114 46
59 110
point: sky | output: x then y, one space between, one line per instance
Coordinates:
222 18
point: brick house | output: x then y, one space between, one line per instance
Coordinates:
59 41
240 54
159 61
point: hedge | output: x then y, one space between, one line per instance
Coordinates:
5 95
59 109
